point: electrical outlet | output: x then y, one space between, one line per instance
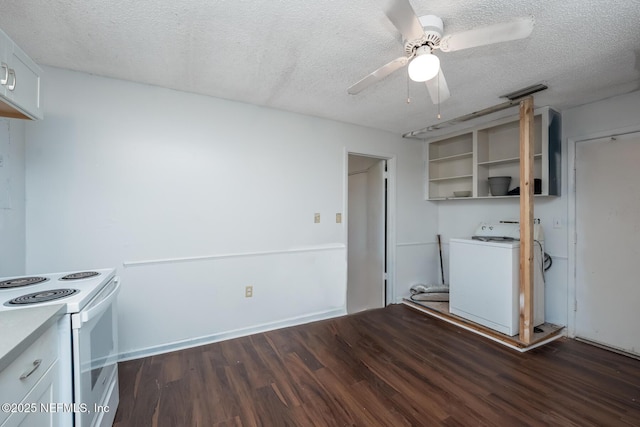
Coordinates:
316 218
338 218
248 291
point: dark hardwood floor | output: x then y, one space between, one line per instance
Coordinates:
387 367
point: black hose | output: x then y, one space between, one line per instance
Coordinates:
547 259
441 266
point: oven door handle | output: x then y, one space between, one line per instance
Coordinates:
100 307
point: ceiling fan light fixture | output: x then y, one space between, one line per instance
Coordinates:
424 66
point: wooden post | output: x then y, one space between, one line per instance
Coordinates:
526 219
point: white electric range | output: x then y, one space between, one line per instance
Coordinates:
88 336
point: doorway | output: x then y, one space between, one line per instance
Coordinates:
367 203
607 207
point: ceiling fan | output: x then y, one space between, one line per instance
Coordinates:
421 36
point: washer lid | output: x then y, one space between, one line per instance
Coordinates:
505 244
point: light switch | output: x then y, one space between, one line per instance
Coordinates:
316 218
338 218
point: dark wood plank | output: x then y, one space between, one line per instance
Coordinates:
388 367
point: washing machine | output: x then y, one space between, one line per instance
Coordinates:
484 276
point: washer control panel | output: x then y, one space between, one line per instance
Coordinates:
506 229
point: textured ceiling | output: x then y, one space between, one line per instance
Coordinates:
302 55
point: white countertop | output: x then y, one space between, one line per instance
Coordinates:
20 328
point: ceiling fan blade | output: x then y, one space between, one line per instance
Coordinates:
498 33
402 15
438 89
378 75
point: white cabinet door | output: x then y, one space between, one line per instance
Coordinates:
31 384
41 403
19 82
26 83
6 47
607 250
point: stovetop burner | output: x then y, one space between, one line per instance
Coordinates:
80 275
21 281
43 296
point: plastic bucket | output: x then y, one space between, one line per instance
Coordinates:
499 185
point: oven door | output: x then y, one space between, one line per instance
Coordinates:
95 371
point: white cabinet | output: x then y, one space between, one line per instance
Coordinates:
19 82
464 161
30 385
450 165
42 396
6 47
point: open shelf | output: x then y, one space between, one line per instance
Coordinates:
463 161
454 157
450 178
505 161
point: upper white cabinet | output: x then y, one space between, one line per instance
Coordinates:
19 82
450 165
6 47
464 161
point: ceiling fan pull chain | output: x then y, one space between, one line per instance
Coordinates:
408 94
438 77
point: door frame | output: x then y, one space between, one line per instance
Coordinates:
571 216
390 249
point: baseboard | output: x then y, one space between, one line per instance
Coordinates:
227 335
608 348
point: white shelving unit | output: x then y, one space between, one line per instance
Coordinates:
463 161
450 165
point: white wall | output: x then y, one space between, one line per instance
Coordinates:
12 198
611 114
458 218
120 172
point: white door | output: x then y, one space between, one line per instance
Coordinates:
376 234
608 241
366 234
